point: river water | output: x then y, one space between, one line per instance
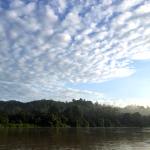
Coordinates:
75 139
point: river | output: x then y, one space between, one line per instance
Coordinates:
74 138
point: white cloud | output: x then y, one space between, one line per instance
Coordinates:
72 22
16 4
62 5
142 55
127 4
121 20
64 37
12 14
29 8
45 49
107 2
144 9
50 14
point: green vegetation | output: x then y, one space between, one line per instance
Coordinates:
77 113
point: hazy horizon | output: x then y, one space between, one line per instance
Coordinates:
97 50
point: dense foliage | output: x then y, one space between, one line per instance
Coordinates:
77 113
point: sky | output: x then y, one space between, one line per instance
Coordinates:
97 50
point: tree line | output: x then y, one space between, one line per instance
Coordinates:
77 113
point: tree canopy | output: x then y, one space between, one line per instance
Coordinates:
77 113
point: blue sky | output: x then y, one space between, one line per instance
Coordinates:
63 49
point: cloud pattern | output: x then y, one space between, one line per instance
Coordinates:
46 44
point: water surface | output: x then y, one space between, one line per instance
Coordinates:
75 139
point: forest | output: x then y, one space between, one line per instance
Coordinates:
76 113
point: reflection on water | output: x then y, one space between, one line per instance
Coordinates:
75 138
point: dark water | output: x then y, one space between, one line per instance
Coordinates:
75 138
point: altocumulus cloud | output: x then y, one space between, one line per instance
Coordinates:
44 45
